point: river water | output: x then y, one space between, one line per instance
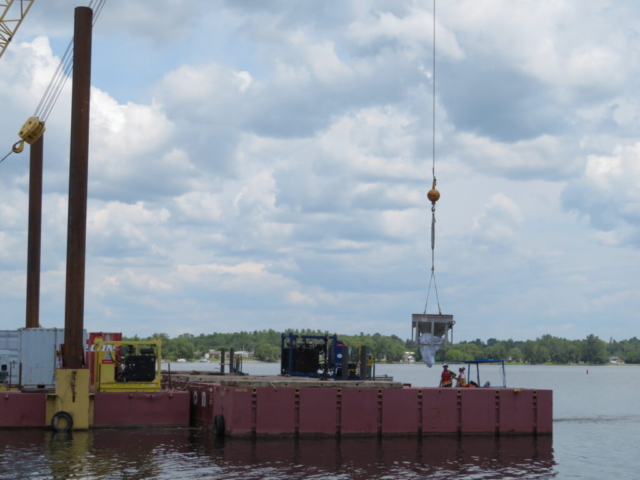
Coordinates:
596 436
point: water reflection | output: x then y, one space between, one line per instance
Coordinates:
184 453
390 457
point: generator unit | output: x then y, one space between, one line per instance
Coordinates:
317 356
126 366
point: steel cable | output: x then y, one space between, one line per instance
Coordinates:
62 73
433 171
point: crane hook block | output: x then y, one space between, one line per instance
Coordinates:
32 130
433 195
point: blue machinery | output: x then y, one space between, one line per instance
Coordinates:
317 356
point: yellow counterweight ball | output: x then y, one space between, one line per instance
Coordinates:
433 195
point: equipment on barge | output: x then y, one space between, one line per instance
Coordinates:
126 366
324 357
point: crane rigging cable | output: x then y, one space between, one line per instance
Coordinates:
34 127
433 195
62 73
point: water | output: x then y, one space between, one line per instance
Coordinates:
596 433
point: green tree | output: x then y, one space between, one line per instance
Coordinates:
594 350
454 355
515 353
632 357
267 353
178 348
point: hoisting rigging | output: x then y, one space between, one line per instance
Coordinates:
429 331
34 127
433 195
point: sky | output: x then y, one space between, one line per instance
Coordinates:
261 164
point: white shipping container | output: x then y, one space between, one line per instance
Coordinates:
38 348
10 343
33 357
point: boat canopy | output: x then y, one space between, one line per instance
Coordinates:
502 376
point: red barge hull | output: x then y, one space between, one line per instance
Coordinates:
135 409
285 409
276 410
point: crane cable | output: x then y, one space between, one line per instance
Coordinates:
433 195
59 79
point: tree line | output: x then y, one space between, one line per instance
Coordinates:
265 346
546 349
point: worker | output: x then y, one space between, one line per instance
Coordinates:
462 378
446 379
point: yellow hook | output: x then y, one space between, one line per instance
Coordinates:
18 146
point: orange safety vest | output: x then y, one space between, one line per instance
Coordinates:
447 378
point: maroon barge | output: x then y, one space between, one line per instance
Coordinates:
241 406
20 409
289 406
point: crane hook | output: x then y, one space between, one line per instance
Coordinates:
18 146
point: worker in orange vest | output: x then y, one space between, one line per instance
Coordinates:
447 377
462 378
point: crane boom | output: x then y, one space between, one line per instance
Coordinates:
10 19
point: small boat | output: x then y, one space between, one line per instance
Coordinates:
182 360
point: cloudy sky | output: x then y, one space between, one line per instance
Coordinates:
264 164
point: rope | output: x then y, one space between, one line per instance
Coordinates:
433 170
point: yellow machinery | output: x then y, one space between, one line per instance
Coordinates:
30 132
126 366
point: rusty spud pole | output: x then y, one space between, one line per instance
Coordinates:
73 356
35 233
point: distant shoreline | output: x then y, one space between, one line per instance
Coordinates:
507 364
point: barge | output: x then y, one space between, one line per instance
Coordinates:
128 389
272 405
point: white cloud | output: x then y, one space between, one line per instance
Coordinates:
128 229
413 31
564 44
498 225
609 195
263 164
193 272
543 157
297 298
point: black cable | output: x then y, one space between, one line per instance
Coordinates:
433 122
5 157
58 83
433 170
61 81
62 73
98 11
51 82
